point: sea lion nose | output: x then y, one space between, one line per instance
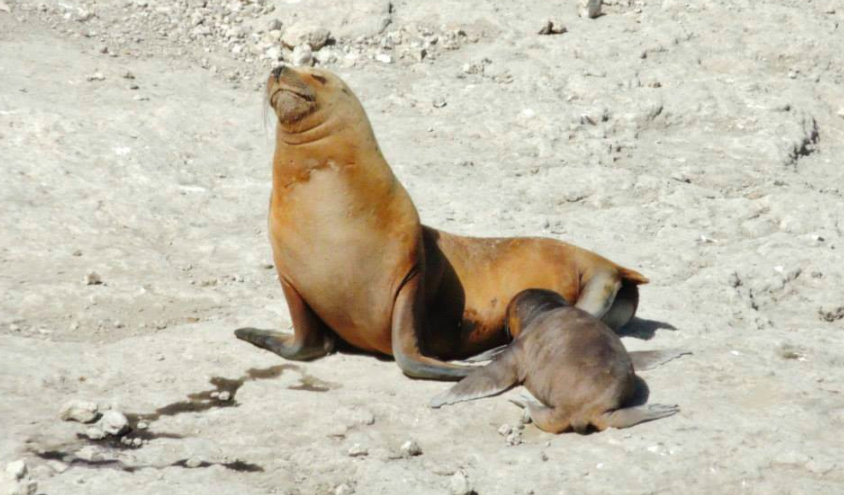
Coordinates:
277 71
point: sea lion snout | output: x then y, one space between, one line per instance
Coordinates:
290 95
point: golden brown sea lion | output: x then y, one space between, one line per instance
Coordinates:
569 360
355 262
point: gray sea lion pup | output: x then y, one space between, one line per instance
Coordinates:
571 361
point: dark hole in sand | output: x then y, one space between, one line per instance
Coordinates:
73 461
239 466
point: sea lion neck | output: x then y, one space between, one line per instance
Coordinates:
332 142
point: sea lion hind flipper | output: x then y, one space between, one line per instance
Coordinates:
599 293
283 344
492 379
623 418
648 360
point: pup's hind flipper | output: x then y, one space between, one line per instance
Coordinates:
647 360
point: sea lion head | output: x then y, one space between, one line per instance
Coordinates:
304 98
527 305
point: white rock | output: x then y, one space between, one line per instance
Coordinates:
343 489
273 53
384 58
589 8
16 469
95 433
302 55
841 112
410 448
357 451
80 410
505 430
514 438
305 33
193 462
225 396
114 423
460 484
354 417
96 76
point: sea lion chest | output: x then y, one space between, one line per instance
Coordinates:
344 239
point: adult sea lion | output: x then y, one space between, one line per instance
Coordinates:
571 361
354 260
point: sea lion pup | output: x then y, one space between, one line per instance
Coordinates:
571 361
354 260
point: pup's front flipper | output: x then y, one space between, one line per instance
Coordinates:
492 379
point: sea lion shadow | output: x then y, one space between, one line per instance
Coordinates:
643 329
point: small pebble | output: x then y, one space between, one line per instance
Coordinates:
95 433
80 410
193 462
505 430
384 58
343 489
357 451
114 423
589 8
137 442
96 76
142 425
16 469
552 27
514 438
302 56
410 449
224 396
127 75
93 278
460 484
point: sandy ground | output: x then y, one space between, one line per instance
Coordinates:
701 143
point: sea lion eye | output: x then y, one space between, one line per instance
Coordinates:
320 79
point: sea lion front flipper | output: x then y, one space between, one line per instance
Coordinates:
407 325
492 379
647 360
283 344
311 337
623 418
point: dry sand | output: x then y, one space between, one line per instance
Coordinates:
701 143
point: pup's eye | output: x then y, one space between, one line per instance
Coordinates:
321 79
